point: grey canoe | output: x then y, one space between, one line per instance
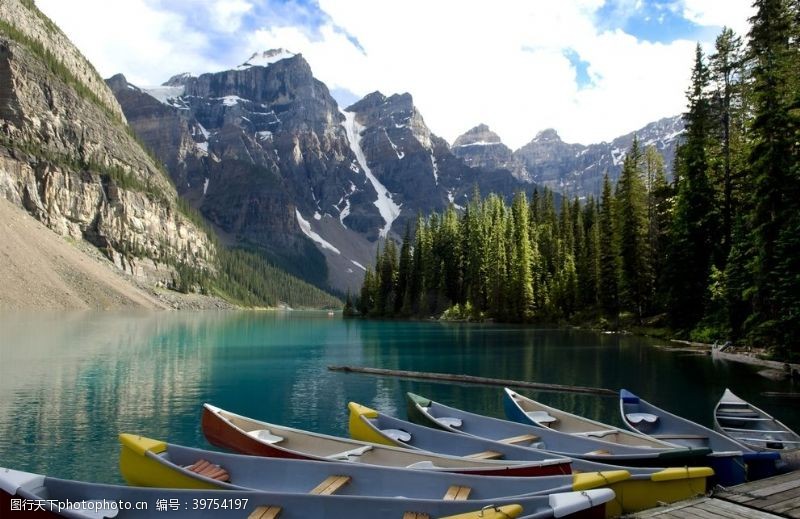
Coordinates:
150 463
728 458
637 488
747 424
95 501
429 412
522 409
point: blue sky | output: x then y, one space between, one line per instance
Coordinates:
591 69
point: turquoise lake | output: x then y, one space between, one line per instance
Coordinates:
72 382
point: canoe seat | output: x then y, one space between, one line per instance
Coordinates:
330 485
265 436
734 414
598 452
757 431
265 512
753 418
425 464
415 515
358 451
519 439
767 440
457 493
209 470
449 421
595 434
542 417
397 435
636 418
485 455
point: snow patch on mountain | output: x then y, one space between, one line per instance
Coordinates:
305 226
230 100
479 143
164 94
399 153
266 58
345 212
387 208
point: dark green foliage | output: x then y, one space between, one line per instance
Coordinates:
637 287
609 256
493 261
694 226
773 163
248 279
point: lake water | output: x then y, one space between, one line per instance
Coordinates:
72 382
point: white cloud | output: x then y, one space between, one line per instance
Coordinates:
147 44
464 62
732 13
229 13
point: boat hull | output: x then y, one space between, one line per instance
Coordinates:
147 503
637 490
732 462
569 447
221 434
736 417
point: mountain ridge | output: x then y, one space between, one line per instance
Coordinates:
275 164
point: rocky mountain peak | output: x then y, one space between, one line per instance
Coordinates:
578 170
266 58
479 135
117 81
480 147
547 135
178 79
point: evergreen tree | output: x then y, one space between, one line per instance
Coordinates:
694 228
726 70
609 256
522 259
497 274
402 303
635 253
658 211
773 165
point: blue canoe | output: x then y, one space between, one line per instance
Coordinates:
733 462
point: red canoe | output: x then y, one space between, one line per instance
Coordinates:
248 436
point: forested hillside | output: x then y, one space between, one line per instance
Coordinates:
714 253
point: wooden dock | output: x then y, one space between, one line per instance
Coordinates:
769 498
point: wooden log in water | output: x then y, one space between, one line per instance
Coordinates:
776 394
470 379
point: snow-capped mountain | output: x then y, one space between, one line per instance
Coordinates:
578 170
481 147
273 163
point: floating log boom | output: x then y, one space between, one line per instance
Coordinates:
470 379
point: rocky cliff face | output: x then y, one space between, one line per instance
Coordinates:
66 154
266 154
261 151
481 147
578 170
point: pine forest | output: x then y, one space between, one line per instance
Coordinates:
710 252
